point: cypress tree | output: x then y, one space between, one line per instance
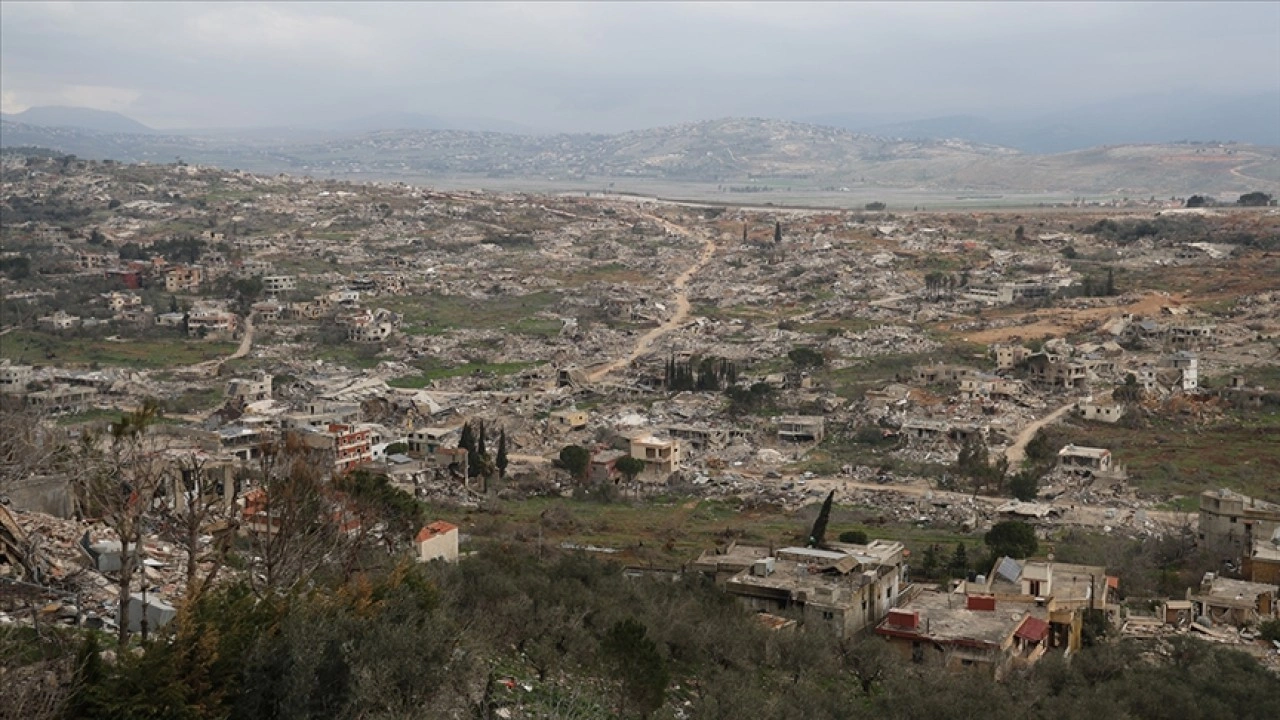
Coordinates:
818 534
502 461
777 232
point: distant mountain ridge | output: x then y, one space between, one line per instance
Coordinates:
78 117
1149 119
730 151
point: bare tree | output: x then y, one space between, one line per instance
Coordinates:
198 505
28 446
120 477
289 517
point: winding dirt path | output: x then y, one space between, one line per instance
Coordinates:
680 300
211 367
1018 450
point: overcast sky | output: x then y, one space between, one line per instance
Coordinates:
613 66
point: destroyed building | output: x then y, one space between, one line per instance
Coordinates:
1236 520
954 631
845 589
1238 603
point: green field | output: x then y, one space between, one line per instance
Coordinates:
1240 451
673 530
431 371
39 348
435 314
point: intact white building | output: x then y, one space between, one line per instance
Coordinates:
438 541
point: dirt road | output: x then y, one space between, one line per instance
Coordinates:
680 300
1058 322
1018 450
211 367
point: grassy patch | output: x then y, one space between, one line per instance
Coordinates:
616 273
350 355
38 348
431 372
674 530
433 314
840 325
1176 457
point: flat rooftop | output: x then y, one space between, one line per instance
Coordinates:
945 616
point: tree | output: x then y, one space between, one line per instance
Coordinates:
640 670
630 467
1020 235
576 459
289 518
1012 538
1196 201
929 563
806 357
502 460
1254 199
197 503
1130 392
857 537
1024 486
875 206
468 442
120 477
974 463
748 400
959 564
777 232
817 535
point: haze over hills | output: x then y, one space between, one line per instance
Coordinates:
1146 119
77 117
732 151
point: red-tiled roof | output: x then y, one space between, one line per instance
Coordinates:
1033 629
431 530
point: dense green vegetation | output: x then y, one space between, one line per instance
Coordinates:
506 634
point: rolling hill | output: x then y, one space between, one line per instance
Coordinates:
727 151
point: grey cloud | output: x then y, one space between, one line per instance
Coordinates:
608 66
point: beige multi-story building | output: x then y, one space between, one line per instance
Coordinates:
661 456
845 589
14 378
1235 519
273 285
183 278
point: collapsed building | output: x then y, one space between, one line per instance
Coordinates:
846 589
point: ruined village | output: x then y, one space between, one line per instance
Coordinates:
981 436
